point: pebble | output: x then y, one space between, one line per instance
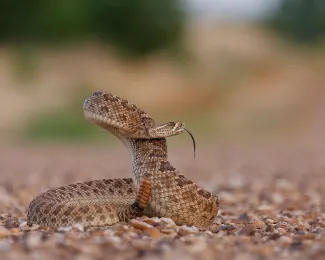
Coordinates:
259 219
258 224
140 225
11 223
79 227
248 230
153 232
185 230
168 223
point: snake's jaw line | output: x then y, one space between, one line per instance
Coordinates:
156 188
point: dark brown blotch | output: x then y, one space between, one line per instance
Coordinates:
109 97
107 181
89 183
100 186
84 209
118 184
165 166
48 208
90 218
78 219
108 208
98 209
84 187
182 181
204 193
102 218
128 180
68 211
57 209
104 109
157 152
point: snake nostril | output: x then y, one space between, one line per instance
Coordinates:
86 103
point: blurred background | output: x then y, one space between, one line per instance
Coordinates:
234 71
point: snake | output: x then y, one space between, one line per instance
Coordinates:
156 188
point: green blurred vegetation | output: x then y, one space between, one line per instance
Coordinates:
67 123
302 21
133 27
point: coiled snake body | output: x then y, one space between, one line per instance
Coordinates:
155 189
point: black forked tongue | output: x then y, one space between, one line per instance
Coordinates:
194 145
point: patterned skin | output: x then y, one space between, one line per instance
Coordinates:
156 187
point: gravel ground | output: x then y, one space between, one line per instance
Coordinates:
271 205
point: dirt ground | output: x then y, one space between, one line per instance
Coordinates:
271 204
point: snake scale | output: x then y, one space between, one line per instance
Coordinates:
155 189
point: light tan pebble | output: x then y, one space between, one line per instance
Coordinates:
140 225
152 221
269 221
3 232
169 223
153 232
285 240
185 230
33 240
300 220
281 231
168 231
208 232
109 232
79 227
64 229
258 223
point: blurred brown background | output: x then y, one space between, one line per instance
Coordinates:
240 71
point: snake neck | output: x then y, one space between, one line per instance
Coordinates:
146 156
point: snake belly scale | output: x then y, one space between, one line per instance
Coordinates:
155 189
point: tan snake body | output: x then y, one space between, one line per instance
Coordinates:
156 187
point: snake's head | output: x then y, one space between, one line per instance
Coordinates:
107 110
117 115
